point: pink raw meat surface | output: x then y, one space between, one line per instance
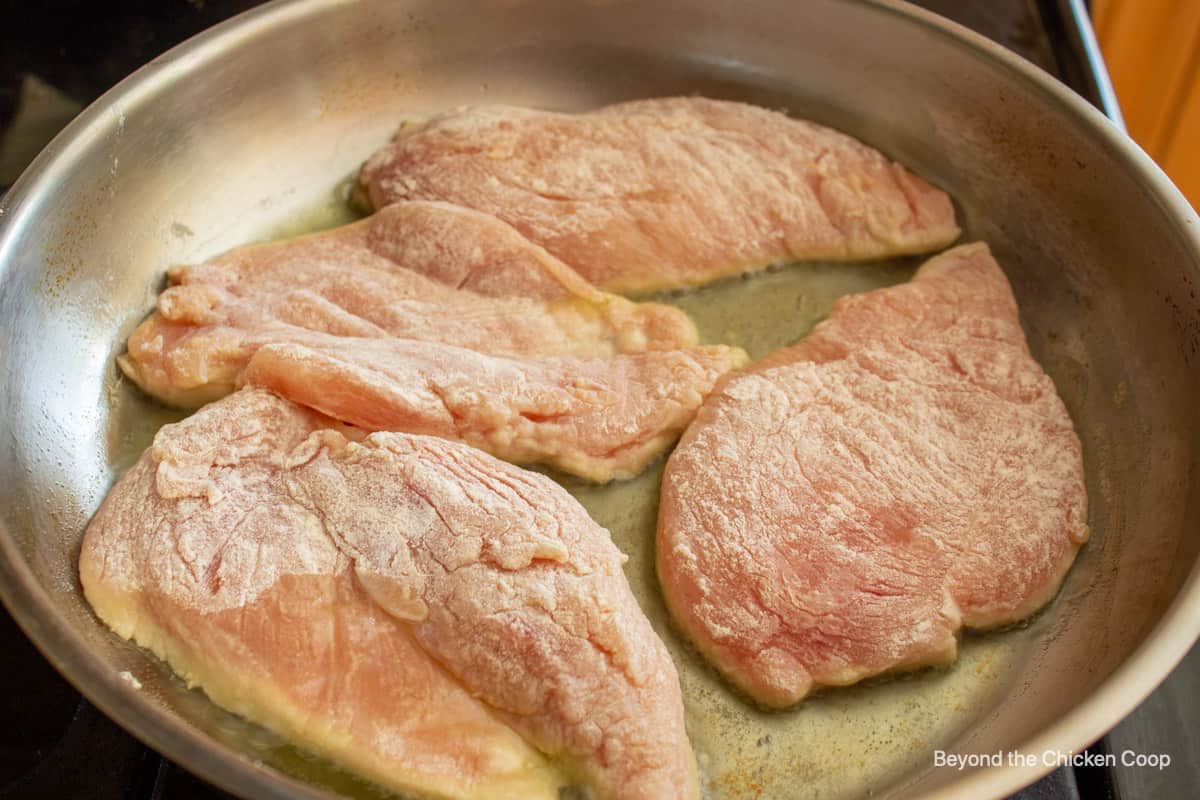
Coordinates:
842 508
402 604
600 418
667 193
426 271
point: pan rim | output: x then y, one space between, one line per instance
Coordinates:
1163 647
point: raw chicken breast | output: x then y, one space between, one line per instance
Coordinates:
600 419
843 507
409 607
427 271
667 193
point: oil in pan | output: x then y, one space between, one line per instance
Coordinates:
837 743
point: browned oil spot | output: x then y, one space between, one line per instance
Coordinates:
1119 393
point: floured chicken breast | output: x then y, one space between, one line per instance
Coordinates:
600 419
667 193
843 507
432 618
427 271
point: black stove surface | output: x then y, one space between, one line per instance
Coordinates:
55 58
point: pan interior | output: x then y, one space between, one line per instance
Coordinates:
881 728
255 137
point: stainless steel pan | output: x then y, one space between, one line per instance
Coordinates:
240 130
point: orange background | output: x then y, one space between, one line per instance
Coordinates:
1152 48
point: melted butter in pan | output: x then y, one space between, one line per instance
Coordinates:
839 743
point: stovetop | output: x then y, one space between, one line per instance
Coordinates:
57 56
